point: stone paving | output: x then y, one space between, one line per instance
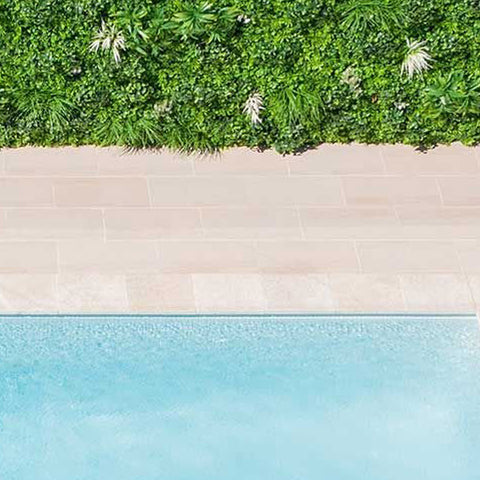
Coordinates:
337 229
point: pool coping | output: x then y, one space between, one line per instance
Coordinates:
338 229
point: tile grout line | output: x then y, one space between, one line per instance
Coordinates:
57 292
357 254
440 193
104 225
300 223
384 163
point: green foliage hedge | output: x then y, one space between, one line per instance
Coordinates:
184 78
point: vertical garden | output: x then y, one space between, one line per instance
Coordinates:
195 75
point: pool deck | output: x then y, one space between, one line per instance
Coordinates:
338 229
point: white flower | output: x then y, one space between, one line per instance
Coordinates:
243 19
163 107
417 58
109 38
253 107
350 78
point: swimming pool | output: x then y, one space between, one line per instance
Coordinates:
257 398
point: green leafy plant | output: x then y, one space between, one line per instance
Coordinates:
41 107
196 21
296 105
131 21
361 15
183 73
193 20
453 94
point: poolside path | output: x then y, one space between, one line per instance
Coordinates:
338 229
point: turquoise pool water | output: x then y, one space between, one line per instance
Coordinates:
380 398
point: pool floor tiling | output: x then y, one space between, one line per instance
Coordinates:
342 228
209 398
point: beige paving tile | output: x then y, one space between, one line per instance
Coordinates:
91 293
25 192
333 159
37 161
407 257
349 223
251 222
437 293
460 190
28 293
114 257
306 256
383 191
228 293
242 161
207 257
366 293
152 223
168 293
52 223
439 222
469 255
197 192
117 161
406 160
298 293
474 284
101 192
28 257
295 190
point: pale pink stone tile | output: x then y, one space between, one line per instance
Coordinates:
366 293
207 257
115 161
25 192
38 161
197 192
148 223
407 257
168 293
349 223
469 255
437 293
52 223
439 222
336 159
92 293
101 192
460 191
406 160
28 257
298 190
306 256
383 191
28 293
474 284
299 293
110 257
242 161
216 293
251 222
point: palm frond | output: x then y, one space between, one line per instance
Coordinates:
108 37
253 107
417 59
362 15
